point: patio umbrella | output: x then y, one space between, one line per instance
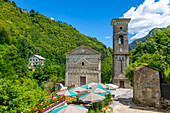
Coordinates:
99 90
85 86
99 85
67 93
71 109
112 86
92 97
78 89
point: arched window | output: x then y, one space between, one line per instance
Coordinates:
120 39
82 63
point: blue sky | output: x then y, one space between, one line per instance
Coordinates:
93 17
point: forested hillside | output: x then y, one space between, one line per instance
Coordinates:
134 44
154 52
23 34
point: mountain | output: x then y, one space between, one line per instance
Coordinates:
23 34
134 44
168 26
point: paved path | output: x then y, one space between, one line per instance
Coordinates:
123 104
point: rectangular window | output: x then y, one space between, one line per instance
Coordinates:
36 59
33 59
148 85
30 59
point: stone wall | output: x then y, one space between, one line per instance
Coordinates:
147 86
126 82
82 62
117 65
74 78
165 103
117 32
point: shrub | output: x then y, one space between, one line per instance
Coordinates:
109 96
101 105
97 110
91 111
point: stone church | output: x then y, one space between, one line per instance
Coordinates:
120 51
83 65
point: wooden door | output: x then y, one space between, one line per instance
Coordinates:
122 84
82 81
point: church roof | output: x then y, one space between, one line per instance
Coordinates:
120 20
82 46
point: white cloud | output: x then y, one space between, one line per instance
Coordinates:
107 37
147 16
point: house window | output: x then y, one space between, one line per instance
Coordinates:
148 85
33 59
30 59
36 59
120 39
82 63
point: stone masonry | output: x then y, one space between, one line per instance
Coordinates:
83 65
146 88
120 52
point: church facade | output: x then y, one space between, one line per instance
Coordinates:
120 52
83 65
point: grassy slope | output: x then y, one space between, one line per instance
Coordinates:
47 37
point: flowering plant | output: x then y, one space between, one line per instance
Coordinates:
46 103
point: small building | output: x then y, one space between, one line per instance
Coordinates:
83 65
25 10
146 88
36 60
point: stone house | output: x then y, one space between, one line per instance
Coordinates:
146 88
83 65
36 60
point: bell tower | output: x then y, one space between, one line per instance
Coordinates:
120 52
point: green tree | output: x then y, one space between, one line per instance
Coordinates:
49 85
13 3
32 12
23 48
107 70
4 35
